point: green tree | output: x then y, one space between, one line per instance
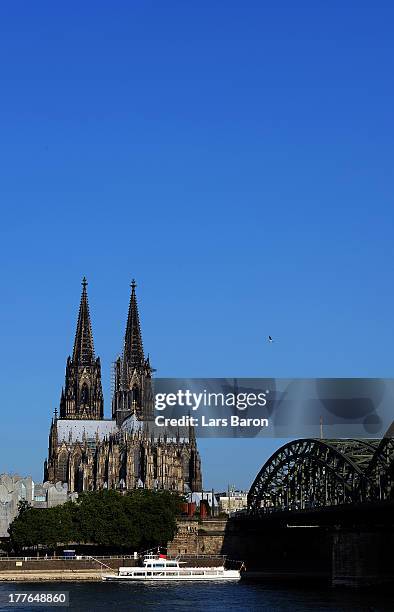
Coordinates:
23 505
154 514
102 520
26 529
138 520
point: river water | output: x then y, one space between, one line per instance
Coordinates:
197 597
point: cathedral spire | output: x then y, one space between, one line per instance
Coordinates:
83 353
132 384
133 352
82 397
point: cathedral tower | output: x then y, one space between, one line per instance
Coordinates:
133 391
82 396
89 452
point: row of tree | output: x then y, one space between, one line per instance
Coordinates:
138 520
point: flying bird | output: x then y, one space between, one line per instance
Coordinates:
270 339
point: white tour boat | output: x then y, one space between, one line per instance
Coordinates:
158 567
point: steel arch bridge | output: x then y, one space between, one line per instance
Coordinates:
312 473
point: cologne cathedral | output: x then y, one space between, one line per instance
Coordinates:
89 452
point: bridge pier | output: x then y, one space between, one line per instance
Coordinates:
349 546
362 558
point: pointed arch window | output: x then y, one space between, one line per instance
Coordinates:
77 467
135 395
62 466
85 394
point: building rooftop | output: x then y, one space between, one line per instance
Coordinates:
78 429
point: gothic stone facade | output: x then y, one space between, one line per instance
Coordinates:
89 452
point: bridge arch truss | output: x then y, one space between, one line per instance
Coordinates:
312 473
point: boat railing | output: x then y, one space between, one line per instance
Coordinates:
194 556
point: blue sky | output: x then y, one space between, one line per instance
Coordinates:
236 159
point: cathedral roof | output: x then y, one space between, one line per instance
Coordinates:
171 434
77 429
132 424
